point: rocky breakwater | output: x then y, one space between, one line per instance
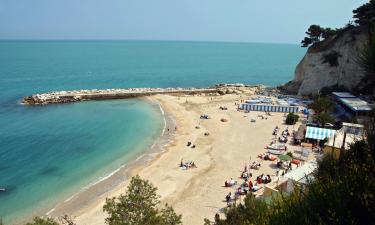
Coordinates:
85 95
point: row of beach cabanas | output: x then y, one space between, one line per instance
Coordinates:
269 108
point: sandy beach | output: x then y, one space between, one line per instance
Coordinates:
198 193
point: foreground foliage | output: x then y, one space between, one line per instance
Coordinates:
138 206
43 221
343 192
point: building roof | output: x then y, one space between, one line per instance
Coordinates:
282 102
337 140
299 174
356 104
353 128
343 95
300 134
318 133
352 125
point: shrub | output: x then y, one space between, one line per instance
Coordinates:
43 221
291 119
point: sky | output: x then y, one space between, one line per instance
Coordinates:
267 21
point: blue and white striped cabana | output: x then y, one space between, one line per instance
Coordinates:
318 133
270 108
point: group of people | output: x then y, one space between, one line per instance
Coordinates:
263 117
230 183
285 132
284 165
247 185
206 117
264 179
246 174
284 136
190 144
255 165
187 165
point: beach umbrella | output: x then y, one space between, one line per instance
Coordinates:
285 157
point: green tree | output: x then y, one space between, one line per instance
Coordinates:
138 206
365 14
316 33
328 32
291 119
322 107
43 221
306 42
324 118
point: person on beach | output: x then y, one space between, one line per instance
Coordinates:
250 185
228 198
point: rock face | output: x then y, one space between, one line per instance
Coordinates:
333 62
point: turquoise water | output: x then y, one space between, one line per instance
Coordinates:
47 153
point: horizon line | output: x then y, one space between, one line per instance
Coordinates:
156 40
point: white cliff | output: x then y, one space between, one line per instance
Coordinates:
313 73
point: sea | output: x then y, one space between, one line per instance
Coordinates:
49 153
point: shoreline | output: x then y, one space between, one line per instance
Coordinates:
121 175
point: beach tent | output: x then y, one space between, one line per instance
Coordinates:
318 133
